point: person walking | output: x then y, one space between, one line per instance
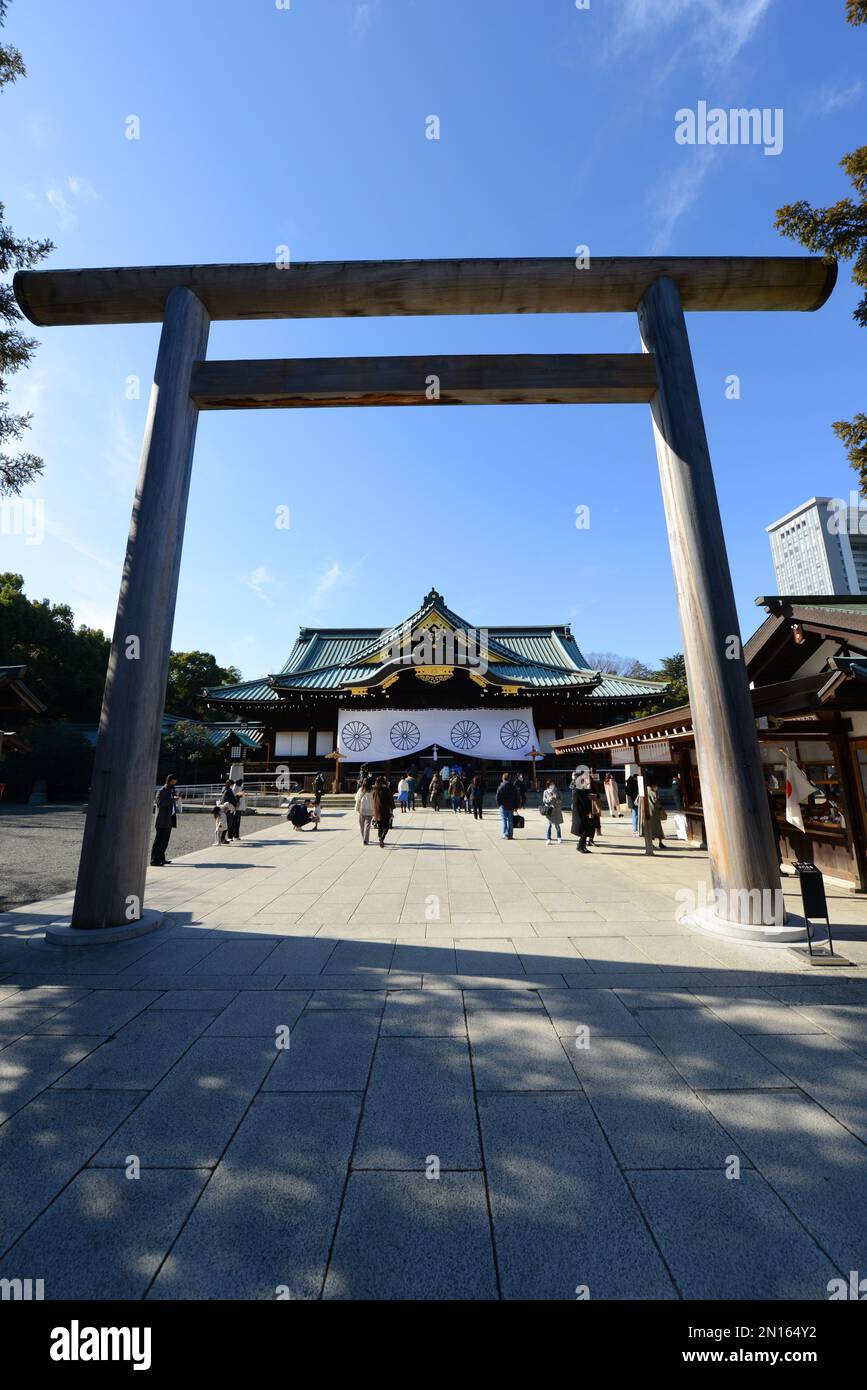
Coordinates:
581 816
424 786
166 818
553 809
383 809
364 808
436 791
521 791
411 783
612 794
456 793
595 812
651 814
318 788
507 800
632 799
476 797
403 794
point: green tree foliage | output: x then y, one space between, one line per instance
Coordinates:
16 349
65 665
840 231
186 744
673 670
60 756
189 674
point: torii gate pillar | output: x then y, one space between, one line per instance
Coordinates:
734 799
114 854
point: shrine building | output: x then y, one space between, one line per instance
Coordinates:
433 688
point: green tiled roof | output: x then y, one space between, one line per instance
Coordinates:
335 658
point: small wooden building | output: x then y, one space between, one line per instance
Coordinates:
807 666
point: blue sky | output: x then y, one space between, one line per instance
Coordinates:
263 126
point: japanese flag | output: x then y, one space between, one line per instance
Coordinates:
798 790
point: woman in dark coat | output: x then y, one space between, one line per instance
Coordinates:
582 822
383 808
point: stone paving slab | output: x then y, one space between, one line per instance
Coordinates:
44 1145
266 1219
186 1000
259 1015
600 1010
106 1234
418 1014
329 1051
518 1050
731 1239
138 1056
188 1119
348 999
28 1065
419 1106
812 1163
650 1116
827 1070
707 1052
403 1236
563 1215
102 1013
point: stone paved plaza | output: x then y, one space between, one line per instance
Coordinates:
432 1130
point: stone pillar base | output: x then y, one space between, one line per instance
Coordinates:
60 933
793 931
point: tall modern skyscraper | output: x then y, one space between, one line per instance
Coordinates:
821 547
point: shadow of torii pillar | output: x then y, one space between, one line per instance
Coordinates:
747 901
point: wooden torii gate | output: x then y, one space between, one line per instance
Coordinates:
111 879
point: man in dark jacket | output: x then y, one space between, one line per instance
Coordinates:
632 799
318 788
582 817
166 818
508 801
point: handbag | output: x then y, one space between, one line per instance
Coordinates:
545 810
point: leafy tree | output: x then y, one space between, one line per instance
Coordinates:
188 751
60 756
65 665
672 670
189 674
840 231
16 349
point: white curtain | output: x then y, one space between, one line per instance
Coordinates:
371 736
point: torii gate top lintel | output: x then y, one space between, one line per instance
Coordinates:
335 289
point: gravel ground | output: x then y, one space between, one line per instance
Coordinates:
40 847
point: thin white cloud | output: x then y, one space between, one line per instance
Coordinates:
718 29
838 99
65 535
335 574
63 196
363 14
256 581
676 194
